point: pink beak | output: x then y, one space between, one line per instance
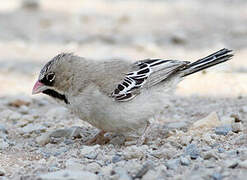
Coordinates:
38 88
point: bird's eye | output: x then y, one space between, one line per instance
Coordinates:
50 77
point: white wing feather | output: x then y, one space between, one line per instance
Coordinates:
135 80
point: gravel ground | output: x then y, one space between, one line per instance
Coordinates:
202 134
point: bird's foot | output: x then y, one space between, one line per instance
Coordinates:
142 140
98 139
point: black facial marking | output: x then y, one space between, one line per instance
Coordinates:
56 95
50 76
48 79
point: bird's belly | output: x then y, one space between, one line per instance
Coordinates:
115 118
111 118
106 114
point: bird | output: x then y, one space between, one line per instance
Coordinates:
116 95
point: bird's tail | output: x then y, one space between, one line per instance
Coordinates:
206 62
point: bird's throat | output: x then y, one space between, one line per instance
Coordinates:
56 95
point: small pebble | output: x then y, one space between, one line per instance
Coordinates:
192 151
221 150
30 4
33 128
178 125
3 129
223 130
92 155
145 168
90 152
231 163
23 109
2 172
244 109
75 132
152 174
93 167
43 139
184 161
73 164
243 164
209 155
240 140
236 118
117 158
3 144
68 174
237 127
122 173
179 38
133 152
117 140
216 176
211 121
172 164
59 133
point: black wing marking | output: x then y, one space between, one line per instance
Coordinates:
133 81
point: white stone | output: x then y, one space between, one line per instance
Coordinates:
30 128
10 115
208 139
210 121
3 144
151 174
68 174
243 164
184 161
30 4
123 174
106 170
237 127
92 167
89 149
244 109
2 172
24 109
43 139
133 152
132 166
184 140
73 164
230 163
226 120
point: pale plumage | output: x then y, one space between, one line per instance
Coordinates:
116 95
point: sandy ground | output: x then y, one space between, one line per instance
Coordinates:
38 138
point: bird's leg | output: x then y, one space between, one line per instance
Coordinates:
99 138
142 139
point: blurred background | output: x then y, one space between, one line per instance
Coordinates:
34 31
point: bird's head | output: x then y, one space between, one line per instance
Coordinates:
55 77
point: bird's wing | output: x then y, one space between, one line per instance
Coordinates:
145 73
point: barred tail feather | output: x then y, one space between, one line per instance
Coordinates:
206 62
